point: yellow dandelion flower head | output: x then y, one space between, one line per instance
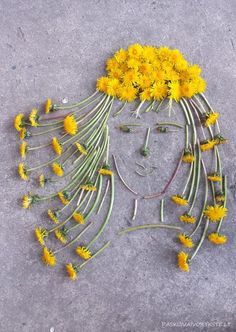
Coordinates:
185 240
214 177
26 201
183 261
102 84
187 218
207 145
22 170
215 212
163 71
56 146
217 238
19 121
71 271
33 117
40 233
211 118
41 180
188 157
53 216
48 257
179 200
83 252
60 236
64 197
48 106
78 217
23 150
220 197
22 134
70 125
127 93
105 171
57 169
88 187
159 90
81 148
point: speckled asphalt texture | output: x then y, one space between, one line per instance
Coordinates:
57 49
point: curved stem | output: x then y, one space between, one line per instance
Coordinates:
120 110
107 216
201 241
104 196
174 124
196 184
188 180
57 107
162 210
225 202
131 229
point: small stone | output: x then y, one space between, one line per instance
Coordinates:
65 100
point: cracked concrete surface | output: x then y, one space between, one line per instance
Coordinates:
57 49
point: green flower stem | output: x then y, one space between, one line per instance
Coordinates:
94 204
219 169
38 147
58 107
107 216
120 110
78 268
147 138
174 124
150 107
188 179
192 103
185 112
47 131
131 229
200 242
205 200
135 209
162 210
213 192
121 178
50 161
225 202
137 111
186 137
104 196
192 121
74 240
159 105
86 161
93 110
198 173
193 175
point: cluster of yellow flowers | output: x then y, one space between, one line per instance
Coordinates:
148 72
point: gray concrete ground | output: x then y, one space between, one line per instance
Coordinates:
57 49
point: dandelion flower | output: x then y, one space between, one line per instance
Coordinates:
22 134
219 139
63 198
23 172
48 106
33 117
207 145
183 261
57 169
179 200
56 146
48 257
220 197
26 201
60 236
78 217
52 215
23 150
40 234
217 238
102 84
188 157
81 148
187 218
105 171
83 252
214 177
70 125
88 187
19 121
71 270
186 240
211 119
215 213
